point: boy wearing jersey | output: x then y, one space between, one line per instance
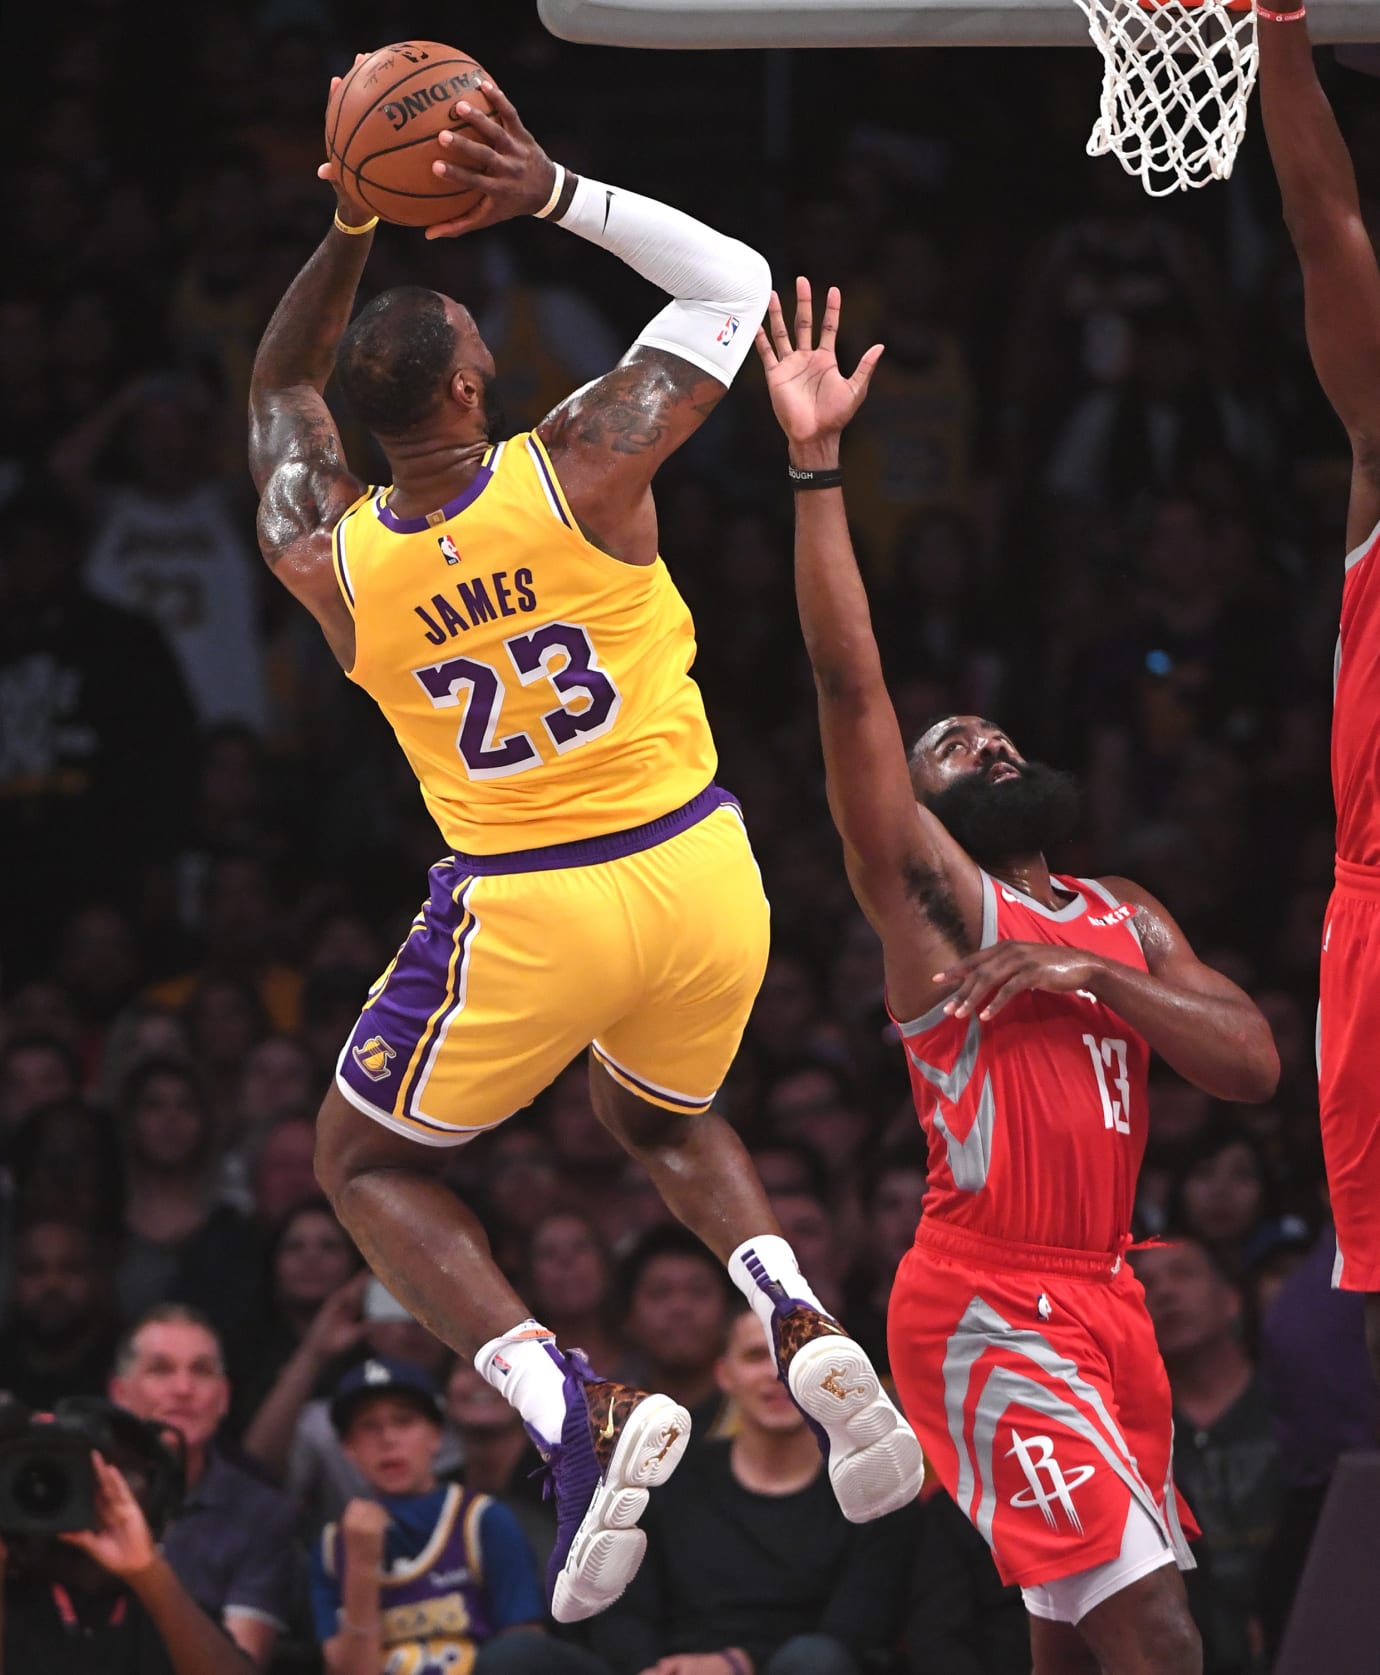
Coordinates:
504 603
1028 1004
1341 291
423 1576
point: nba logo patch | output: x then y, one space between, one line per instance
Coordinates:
729 330
448 548
372 1058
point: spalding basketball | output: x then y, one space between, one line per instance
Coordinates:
382 123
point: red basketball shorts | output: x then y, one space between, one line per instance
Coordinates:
1040 1397
1349 1072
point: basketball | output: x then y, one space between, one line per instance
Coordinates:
382 123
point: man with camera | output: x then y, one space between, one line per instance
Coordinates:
97 1599
232 1543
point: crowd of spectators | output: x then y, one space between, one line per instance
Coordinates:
1097 496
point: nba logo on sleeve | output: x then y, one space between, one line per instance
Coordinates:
729 330
448 548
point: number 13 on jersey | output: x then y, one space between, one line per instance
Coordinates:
560 653
1110 1056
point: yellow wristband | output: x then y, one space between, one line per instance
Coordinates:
368 226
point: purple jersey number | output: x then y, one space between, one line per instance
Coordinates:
577 677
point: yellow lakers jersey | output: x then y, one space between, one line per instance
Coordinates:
539 688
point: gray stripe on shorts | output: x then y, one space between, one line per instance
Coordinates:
981 1329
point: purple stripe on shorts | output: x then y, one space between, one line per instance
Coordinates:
646 1087
534 449
454 970
590 852
415 526
382 1044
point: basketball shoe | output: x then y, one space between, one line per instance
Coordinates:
876 1464
616 1444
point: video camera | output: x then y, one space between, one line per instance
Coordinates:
47 1483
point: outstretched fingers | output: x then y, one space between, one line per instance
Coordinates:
804 315
862 377
776 325
829 328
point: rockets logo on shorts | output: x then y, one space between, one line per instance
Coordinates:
372 1058
1054 1489
729 330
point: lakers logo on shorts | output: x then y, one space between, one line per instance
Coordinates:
372 1058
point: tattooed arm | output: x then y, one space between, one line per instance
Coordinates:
607 440
295 456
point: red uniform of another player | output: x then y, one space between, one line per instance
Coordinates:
1029 1005
1019 1339
1341 286
1349 982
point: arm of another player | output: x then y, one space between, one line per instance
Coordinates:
609 438
1341 282
1198 1021
907 873
295 456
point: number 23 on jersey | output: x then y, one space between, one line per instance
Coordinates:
559 653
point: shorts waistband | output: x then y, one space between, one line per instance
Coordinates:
1362 880
589 852
944 1239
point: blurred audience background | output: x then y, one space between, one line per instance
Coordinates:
1097 495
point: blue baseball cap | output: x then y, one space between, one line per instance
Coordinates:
381 1376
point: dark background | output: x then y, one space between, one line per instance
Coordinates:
1096 494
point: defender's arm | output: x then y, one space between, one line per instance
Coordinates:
1340 278
921 893
1198 1021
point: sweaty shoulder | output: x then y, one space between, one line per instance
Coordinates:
1152 920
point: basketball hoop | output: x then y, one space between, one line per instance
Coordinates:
1176 79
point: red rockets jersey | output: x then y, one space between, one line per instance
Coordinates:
1036 1120
1356 709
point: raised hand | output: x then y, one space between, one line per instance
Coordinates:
338 1324
496 156
810 396
122 1542
363 1527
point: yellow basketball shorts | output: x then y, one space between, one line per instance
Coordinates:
647 946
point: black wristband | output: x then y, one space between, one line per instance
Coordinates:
829 479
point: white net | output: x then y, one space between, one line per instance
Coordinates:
1176 79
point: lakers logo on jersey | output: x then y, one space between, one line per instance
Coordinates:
372 1058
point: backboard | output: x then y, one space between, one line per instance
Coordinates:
871 23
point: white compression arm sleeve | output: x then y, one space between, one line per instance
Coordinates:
720 285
